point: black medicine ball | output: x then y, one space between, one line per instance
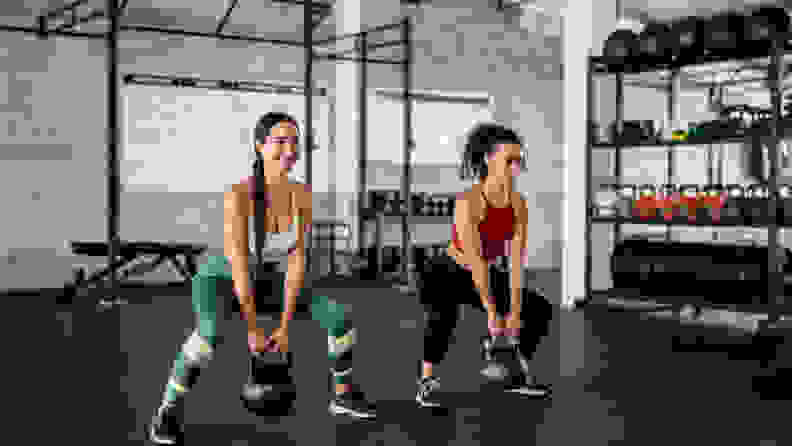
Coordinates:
686 39
723 33
620 47
762 26
655 43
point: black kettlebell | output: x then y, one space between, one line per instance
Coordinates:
723 33
762 26
655 44
686 39
270 390
621 48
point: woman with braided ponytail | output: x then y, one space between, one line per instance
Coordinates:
490 223
280 210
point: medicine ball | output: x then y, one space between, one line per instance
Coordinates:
686 39
620 47
723 33
655 44
762 26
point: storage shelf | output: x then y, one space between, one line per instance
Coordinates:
597 297
772 293
610 66
440 219
725 222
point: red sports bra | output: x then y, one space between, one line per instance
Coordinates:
495 230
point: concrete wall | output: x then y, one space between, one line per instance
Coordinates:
52 174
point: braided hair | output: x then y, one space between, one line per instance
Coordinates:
481 142
260 134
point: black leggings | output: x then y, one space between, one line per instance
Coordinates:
445 285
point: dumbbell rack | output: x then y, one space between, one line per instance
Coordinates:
773 304
373 213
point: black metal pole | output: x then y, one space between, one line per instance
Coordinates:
671 101
42 31
363 142
775 278
407 257
309 57
619 127
113 137
210 35
589 152
151 29
357 34
336 57
371 47
227 16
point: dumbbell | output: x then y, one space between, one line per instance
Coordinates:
427 205
392 203
418 204
441 206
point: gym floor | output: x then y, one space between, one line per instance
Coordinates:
617 377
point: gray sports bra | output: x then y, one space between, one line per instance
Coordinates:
278 245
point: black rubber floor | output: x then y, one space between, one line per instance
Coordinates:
95 378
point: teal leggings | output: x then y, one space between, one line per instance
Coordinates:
213 300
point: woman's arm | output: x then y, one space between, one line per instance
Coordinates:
236 247
295 276
518 246
471 246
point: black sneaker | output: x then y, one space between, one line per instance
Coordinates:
427 395
354 404
166 427
524 384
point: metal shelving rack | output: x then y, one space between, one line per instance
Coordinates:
773 301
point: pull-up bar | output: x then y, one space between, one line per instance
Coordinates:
336 57
163 80
358 34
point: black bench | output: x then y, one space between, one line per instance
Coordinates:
135 259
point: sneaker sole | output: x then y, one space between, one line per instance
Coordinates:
153 438
529 392
423 403
340 410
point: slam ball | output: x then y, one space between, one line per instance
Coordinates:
621 46
764 25
655 43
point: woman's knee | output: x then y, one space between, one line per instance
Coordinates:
332 316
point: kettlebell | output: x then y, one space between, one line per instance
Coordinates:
270 390
502 360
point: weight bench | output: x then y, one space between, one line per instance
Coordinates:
133 260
